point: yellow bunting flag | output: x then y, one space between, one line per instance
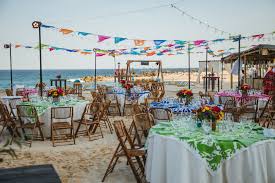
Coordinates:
66 31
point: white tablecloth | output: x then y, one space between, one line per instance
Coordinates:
169 161
46 117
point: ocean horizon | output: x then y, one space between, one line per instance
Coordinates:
29 77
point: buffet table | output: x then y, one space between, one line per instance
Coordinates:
236 153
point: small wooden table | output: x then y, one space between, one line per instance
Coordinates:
59 83
28 174
211 82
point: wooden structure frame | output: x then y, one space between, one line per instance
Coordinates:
262 56
128 69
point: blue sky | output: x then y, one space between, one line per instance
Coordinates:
97 16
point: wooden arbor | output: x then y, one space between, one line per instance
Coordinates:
143 62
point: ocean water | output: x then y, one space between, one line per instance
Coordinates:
29 78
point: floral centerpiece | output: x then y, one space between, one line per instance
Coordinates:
210 113
127 86
245 88
55 94
187 94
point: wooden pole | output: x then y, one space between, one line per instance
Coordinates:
206 57
189 69
231 76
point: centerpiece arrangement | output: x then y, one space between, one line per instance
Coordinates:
211 114
187 94
245 88
55 94
127 86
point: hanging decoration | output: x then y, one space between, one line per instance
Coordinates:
157 43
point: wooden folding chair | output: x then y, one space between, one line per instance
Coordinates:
90 119
28 118
137 109
230 108
105 119
161 114
250 108
7 122
12 104
62 128
114 108
142 124
127 149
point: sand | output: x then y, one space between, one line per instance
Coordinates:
86 162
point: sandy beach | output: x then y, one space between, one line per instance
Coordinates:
87 161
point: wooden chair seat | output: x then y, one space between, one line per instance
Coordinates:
133 152
61 125
62 129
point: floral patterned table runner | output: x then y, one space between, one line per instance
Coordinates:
214 147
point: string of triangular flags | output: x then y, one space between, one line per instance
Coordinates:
141 42
148 51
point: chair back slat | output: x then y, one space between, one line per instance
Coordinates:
161 114
27 114
62 113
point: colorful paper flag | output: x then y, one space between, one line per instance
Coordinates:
259 36
180 42
83 33
119 39
66 31
159 42
139 42
151 53
102 38
198 42
100 54
47 26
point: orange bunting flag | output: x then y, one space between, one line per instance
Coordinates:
17 46
220 50
146 48
85 53
139 42
151 53
66 31
170 54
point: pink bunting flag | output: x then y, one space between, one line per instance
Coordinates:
102 38
198 42
51 49
171 45
259 36
100 54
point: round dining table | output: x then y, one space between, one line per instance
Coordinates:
44 111
237 153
